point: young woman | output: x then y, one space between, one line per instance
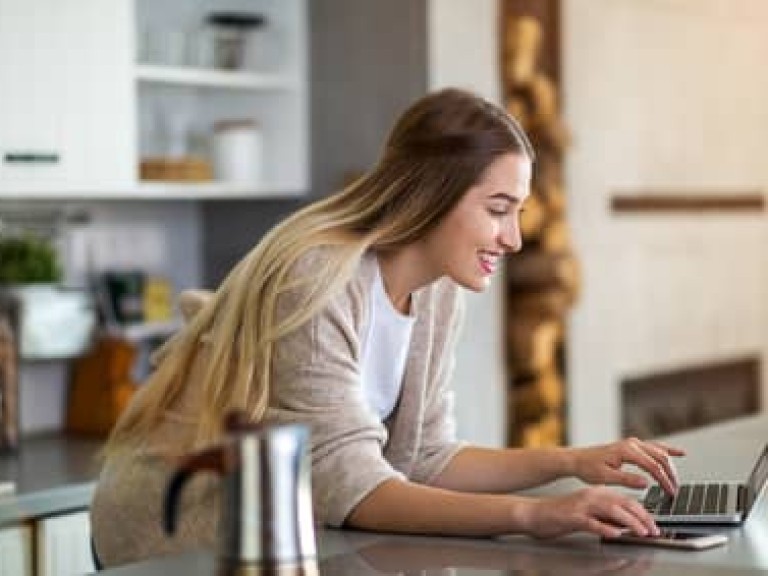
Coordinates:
344 317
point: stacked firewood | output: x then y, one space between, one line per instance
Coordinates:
543 279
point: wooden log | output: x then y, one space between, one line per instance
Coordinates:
519 110
527 406
533 218
551 303
544 99
549 431
532 342
555 237
549 132
553 198
521 48
536 269
548 168
540 395
550 387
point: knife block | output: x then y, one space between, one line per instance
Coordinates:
101 387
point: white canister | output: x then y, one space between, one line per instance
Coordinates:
237 152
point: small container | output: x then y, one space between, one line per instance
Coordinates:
126 293
200 47
232 31
237 152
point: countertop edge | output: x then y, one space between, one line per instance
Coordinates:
22 508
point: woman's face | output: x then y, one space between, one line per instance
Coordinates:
470 241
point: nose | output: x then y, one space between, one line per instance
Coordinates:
510 236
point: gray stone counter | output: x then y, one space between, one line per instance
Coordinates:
52 474
720 452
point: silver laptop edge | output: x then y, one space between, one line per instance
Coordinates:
732 515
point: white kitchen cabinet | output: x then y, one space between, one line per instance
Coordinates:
16 551
64 545
66 96
79 108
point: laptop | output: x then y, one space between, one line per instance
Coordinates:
709 503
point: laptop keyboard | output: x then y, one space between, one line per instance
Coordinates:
691 499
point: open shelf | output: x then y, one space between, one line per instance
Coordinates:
209 78
180 101
147 330
159 191
211 190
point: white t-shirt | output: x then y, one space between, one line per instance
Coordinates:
385 349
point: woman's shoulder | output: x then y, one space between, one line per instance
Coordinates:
315 259
349 298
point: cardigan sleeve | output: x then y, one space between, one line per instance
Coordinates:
439 444
316 381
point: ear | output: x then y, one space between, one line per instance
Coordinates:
192 301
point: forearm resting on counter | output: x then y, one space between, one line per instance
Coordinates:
476 469
399 506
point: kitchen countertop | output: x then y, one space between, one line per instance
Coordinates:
52 473
728 450
352 553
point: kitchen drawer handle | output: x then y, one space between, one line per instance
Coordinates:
27 158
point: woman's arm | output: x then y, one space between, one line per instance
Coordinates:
476 469
401 506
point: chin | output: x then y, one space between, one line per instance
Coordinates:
474 284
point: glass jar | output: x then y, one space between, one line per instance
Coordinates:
237 152
231 35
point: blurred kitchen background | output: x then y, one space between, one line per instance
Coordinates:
155 142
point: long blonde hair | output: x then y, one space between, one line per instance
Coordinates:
436 151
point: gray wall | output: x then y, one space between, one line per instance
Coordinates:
368 61
231 228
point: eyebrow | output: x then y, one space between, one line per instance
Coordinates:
505 196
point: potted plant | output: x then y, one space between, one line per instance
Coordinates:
53 322
24 261
28 259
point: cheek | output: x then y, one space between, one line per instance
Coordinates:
465 230
466 234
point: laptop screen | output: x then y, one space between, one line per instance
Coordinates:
757 478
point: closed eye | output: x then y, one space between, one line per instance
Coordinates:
502 204
499 208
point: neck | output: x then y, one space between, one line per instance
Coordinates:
404 271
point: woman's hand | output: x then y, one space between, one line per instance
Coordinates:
596 509
603 464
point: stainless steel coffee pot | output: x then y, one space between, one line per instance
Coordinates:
266 501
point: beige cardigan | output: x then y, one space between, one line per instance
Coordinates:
315 381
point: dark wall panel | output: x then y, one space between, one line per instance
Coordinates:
232 228
369 61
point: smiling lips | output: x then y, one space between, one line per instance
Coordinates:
488 262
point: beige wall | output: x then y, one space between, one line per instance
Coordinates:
462 51
662 94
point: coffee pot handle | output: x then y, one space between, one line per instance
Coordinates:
214 459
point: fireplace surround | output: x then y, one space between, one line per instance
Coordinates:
690 397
